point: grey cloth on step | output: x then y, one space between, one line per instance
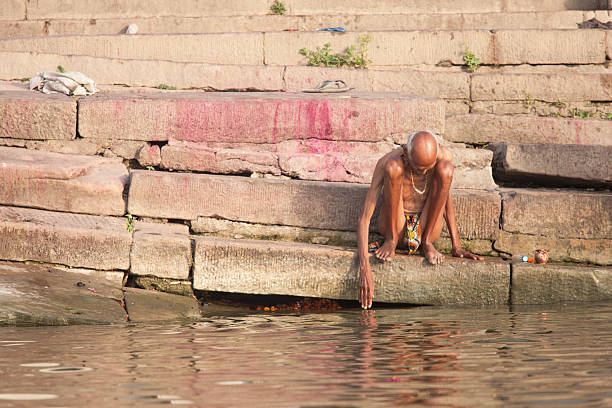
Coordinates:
69 83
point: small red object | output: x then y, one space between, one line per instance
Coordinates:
289 29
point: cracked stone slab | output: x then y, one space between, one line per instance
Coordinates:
76 240
556 283
35 116
256 267
39 295
162 250
62 182
256 117
309 204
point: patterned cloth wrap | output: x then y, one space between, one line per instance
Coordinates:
413 233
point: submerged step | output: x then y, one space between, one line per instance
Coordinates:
259 267
485 128
62 182
76 240
257 117
309 204
551 164
34 116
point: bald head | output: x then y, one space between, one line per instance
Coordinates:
422 150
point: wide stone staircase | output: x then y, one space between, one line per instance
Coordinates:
257 189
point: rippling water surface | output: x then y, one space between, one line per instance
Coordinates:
426 356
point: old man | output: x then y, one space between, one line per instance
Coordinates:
415 183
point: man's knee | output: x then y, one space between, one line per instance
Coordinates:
445 171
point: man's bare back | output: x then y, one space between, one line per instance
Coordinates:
415 183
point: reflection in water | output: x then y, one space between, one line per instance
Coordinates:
426 356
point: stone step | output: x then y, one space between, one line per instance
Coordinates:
558 213
60 182
34 116
309 204
256 117
315 159
92 9
260 267
550 164
386 48
567 19
76 240
546 284
485 128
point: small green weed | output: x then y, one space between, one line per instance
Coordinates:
60 69
129 222
528 102
471 60
150 168
24 79
322 57
610 116
164 86
581 114
559 103
278 8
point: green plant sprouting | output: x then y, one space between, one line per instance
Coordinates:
164 86
60 69
581 114
129 222
471 60
350 57
278 8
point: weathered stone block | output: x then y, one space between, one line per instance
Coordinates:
554 164
149 155
32 115
482 128
543 284
69 239
53 181
332 206
309 270
13 10
549 86
593 251
549 47
150 73
150 306
257 117
162 250
214 48
562 214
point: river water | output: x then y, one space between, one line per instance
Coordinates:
423 356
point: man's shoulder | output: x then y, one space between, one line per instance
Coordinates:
445 154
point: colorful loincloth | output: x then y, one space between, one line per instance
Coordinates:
413 233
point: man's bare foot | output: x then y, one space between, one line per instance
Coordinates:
431 254
386 252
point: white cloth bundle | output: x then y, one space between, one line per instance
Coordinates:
69 83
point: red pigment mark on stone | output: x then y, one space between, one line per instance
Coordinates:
578 126
275 125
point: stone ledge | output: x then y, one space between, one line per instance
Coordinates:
310 204
34 116
75 240
557 213
574 165
543 284
62 182
256 267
